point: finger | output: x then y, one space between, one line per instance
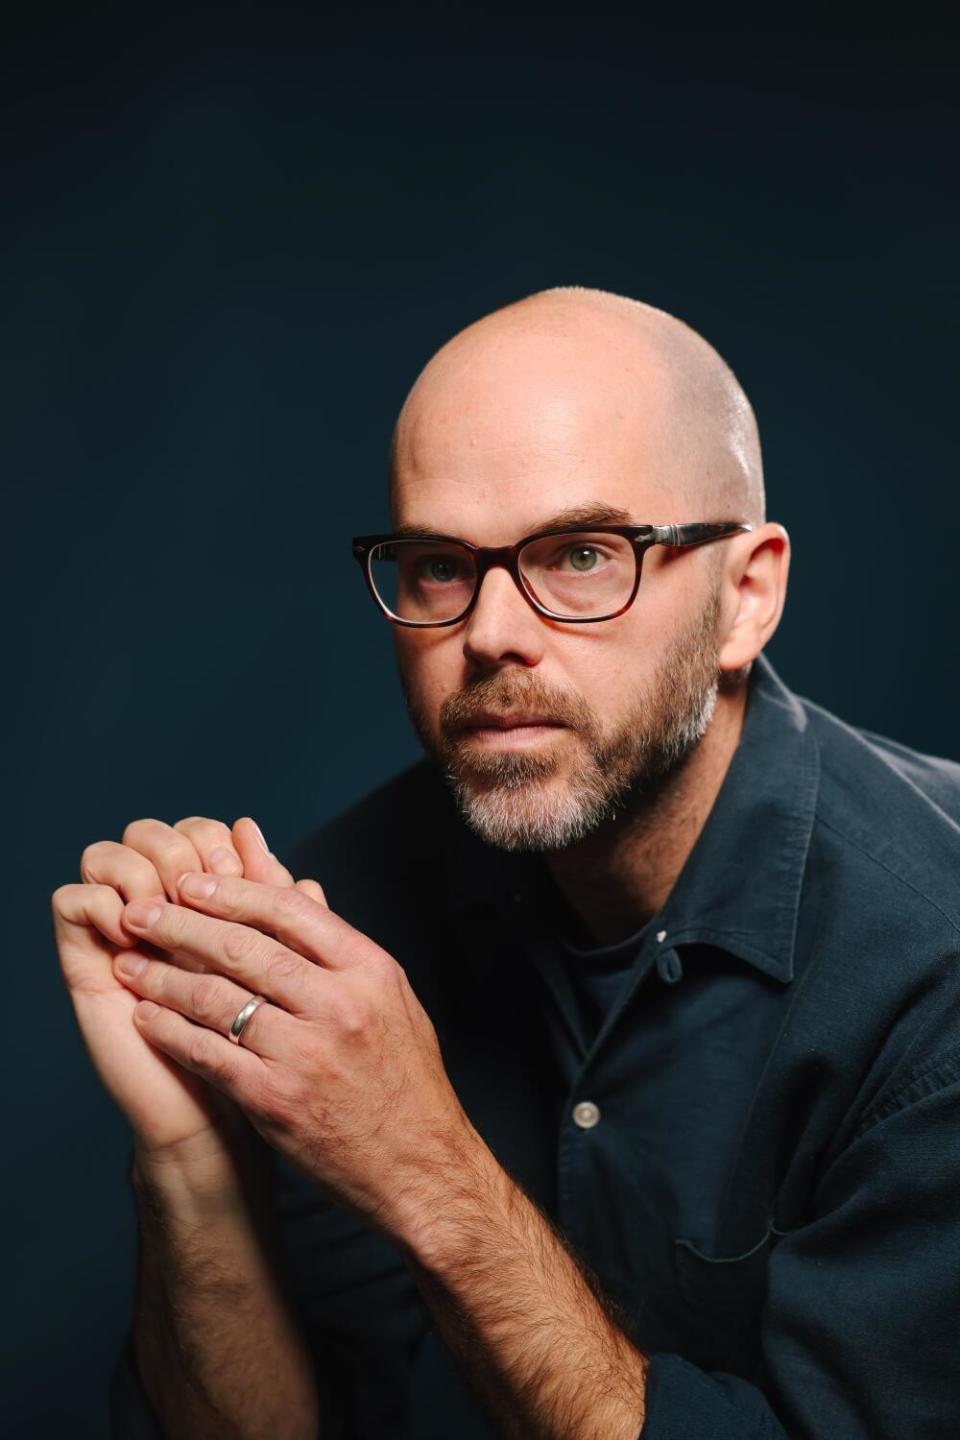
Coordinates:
314 890
213 842
210 1000
262 865
84 918
244 954
258 861
130 873
288 913
238 1072
169 851
78 909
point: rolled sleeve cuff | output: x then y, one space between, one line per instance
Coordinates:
684 1403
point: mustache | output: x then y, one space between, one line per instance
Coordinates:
504 695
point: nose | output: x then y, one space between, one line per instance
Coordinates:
502 628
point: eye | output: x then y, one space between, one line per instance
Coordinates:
583 557
441 569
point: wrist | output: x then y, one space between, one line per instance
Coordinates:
202 1176
445 1216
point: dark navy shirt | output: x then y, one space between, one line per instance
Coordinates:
583 978
751 1134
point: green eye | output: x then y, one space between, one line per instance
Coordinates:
442 570
583 558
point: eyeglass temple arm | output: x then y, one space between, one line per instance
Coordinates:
696 533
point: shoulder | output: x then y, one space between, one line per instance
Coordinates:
877 943
892 810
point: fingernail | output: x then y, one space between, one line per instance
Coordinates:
142 914
130 964
201 887
260 836
146 1010
224 861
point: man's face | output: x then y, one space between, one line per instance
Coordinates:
494 448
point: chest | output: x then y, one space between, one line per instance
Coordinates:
643 1142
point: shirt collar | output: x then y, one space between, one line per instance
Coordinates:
742 881
740 886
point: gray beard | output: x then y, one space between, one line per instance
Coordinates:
531 802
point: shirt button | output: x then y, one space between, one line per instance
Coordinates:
669 967
586 1114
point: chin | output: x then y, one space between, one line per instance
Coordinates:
534 817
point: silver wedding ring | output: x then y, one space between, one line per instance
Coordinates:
236 1029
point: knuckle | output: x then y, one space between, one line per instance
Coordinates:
174 850
289 903
380 965
62 898
89 857
86 902
239 944
207 994
164 845
201 1055
284 965
211 1057
137 830
203 836
313 889
352 1014
201 824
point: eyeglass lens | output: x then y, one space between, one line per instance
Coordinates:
573 575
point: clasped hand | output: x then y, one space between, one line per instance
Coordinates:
339 1068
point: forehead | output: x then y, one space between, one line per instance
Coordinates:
494 446
502 514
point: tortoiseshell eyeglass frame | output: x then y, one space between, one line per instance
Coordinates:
641 537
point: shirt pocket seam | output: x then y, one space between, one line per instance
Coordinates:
723 1296
701 1255
692 1264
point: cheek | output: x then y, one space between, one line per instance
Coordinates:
429 670
607 684
611 676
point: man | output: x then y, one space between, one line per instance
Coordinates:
631 1106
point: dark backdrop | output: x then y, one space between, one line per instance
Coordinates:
228 245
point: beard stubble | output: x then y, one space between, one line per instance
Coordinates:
533 802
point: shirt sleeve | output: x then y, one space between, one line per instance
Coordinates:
131 1414
858 1335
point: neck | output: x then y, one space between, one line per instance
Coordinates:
621 875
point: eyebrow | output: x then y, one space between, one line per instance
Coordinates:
596 513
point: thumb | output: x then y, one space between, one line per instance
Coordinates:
258 862
262 865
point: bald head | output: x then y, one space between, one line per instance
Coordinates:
595 380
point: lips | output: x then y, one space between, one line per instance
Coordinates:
487 720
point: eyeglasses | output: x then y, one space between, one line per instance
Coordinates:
574 574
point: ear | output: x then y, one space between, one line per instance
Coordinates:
753 591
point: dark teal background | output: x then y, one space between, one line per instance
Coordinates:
229 242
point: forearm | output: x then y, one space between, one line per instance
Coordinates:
218 1352
530 1327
